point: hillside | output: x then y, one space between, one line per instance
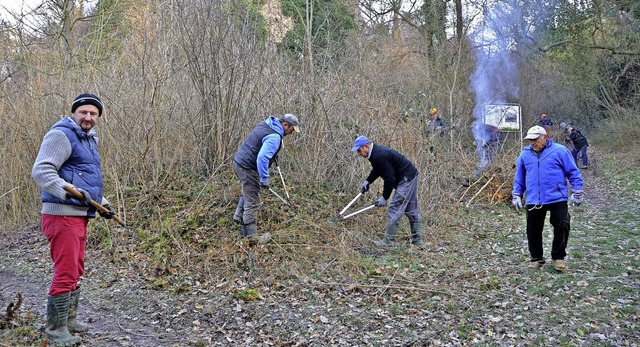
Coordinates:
322 284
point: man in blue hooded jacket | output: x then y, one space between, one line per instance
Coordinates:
251 165
542 171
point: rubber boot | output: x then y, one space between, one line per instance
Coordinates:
73 325
416 233
57 320
249 231
237 216
389 235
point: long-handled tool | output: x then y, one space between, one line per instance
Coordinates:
281 177
351 203
71 190
279 197
359 211
354 213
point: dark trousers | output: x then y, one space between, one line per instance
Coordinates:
561 222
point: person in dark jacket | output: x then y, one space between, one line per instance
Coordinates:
436 124
251 165
400 174
542 171
545 121
69 156
579 145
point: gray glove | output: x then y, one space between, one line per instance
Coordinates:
516 200
364 187
381 202
106 215
86 197
264 185
577 197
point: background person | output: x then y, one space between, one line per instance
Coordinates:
436 124
542 171
68 156
251 165
579 145
400 174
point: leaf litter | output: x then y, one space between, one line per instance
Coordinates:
469 285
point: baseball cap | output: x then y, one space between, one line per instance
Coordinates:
359 142
535 132
293 120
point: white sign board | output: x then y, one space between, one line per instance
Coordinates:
505 117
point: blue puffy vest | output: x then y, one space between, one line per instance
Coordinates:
247 154
82 169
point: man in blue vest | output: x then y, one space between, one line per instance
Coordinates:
542 171
251 164
69 156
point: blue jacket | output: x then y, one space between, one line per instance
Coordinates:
260 147
544 175
82 169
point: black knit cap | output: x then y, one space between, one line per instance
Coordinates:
87 99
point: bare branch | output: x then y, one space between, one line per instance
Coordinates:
613 50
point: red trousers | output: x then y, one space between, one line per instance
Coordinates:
67 241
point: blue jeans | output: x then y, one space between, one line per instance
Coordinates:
580 152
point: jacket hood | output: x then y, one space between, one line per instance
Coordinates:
274 123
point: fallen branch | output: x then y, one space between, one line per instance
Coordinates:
480 191
496 193
12 311
381 286
474 183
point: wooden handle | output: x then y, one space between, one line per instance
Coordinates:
71 190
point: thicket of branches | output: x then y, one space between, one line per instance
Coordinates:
184 81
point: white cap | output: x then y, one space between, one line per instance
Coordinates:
535 132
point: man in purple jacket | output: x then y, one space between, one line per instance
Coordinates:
542 171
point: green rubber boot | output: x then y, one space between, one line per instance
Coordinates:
57 319
250 232
73 325
416 233
389 235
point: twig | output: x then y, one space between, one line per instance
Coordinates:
479 191
497 192
137 334
2 196
473 184
385 287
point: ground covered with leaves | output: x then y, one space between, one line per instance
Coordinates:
321 282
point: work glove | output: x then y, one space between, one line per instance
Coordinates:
86 197
381 202
264 185
364 187
577 197
106 215
516 200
